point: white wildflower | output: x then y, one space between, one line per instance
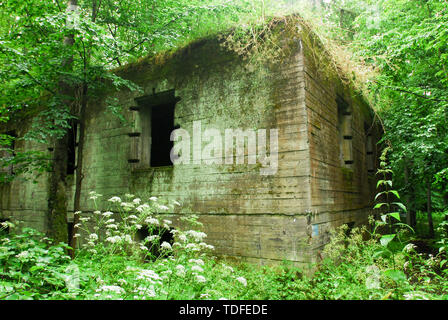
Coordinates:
192 247
197 268
229 268
415 296
23 255
200 279
149 275
107 214
137 200
142 207
152 221
197 235
409 247
242 280
115 289
115 199
153 198
165 245
197 261
163 207
113 239
153 238
128 238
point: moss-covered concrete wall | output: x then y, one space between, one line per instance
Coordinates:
25 199
341 193
259 218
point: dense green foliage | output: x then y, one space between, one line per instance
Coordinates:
56 59
353 268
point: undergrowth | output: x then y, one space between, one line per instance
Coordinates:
116 264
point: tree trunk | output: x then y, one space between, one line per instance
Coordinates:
57 198
429 209
79 165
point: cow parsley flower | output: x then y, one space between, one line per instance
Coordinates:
115 289
242 280
115 199
23 255
152 221
142 207
149 275
197 261
165 245
200 279
409 247
197 268
153 238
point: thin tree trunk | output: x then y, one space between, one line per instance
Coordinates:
429 209
79 166
57 197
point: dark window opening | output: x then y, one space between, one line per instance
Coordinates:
71 148
345 131
154 248
162 124
151 145
369 150
4 227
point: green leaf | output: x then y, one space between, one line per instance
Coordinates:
386 239
379 205
402 206
395 215
396 275
395 192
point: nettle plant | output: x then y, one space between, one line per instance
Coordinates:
163 269
390 217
